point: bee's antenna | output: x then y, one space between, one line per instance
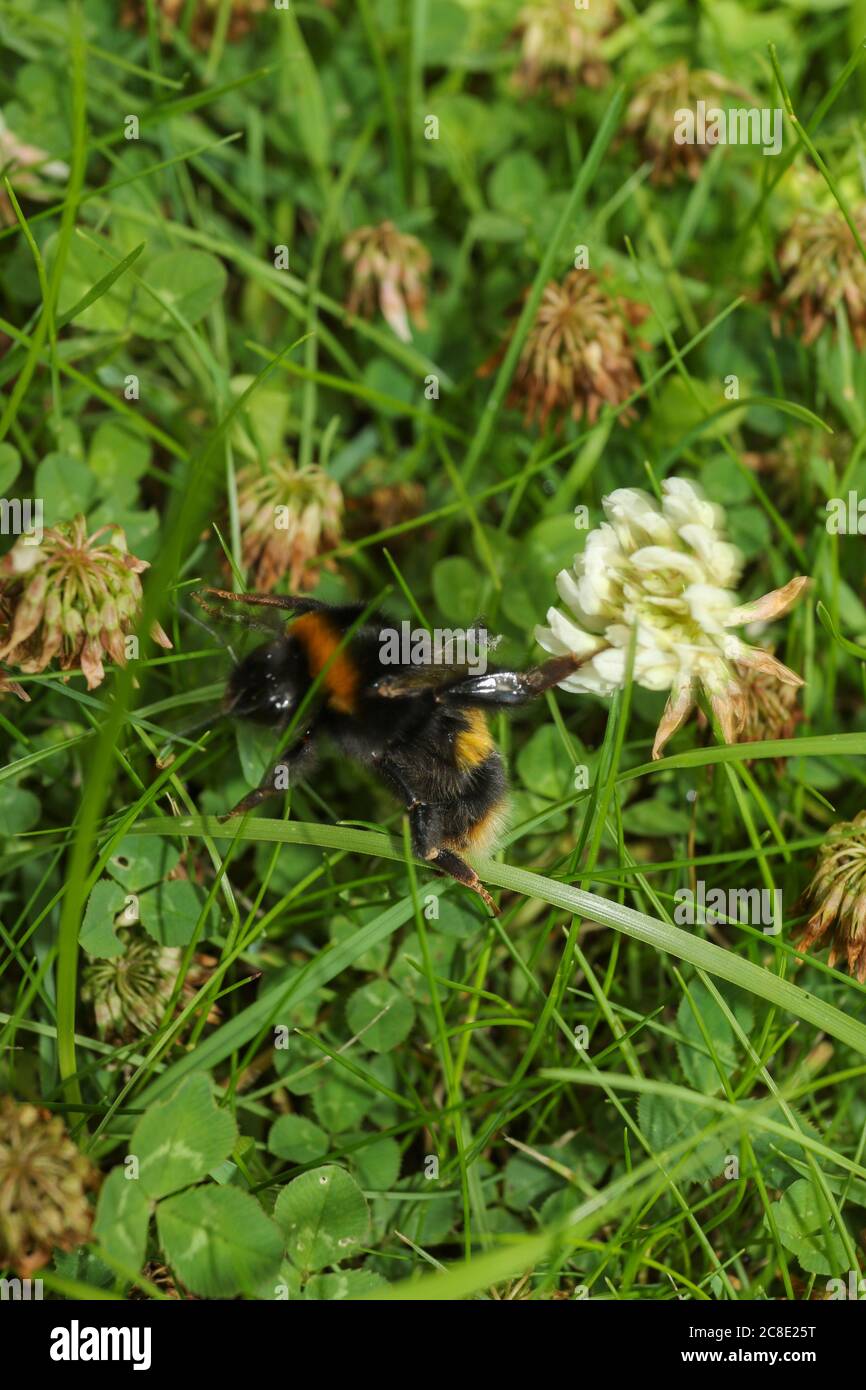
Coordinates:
164 755
212 632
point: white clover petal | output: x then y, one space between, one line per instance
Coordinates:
636 518
659 559
569 591
710 606
585 682
549 643
682 503
732 647
598 602
604 537
589 680
715 672
723 561
628 501
655 669
618 634
601 552
611 665
572 637
597 569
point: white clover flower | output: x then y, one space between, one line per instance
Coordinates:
666 576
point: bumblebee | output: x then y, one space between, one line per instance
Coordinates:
422 730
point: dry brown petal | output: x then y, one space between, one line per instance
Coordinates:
772 605
676 712
759 659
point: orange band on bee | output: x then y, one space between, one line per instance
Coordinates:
320 642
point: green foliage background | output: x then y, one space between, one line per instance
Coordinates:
431 1128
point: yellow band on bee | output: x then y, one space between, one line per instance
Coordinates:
473 744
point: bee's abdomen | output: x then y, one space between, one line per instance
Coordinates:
474 819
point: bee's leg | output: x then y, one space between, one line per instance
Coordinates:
225 615
394 779
447 862
510 687
296 761
426 824
253 798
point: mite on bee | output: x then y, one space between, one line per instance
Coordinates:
422 730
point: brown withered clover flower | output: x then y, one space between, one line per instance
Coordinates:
74 597
839 889
162 1277
26 167
389 268
823 270
129 992
770 706
10 687
7 684
203 19
288 515
578 355
785 466
650 117
389 505
561 46
795 459
766 708
44 1180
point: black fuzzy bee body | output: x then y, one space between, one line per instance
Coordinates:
422 729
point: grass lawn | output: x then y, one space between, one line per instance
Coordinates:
536 329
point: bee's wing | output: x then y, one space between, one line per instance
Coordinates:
403 682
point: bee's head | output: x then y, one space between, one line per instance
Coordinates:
267 685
